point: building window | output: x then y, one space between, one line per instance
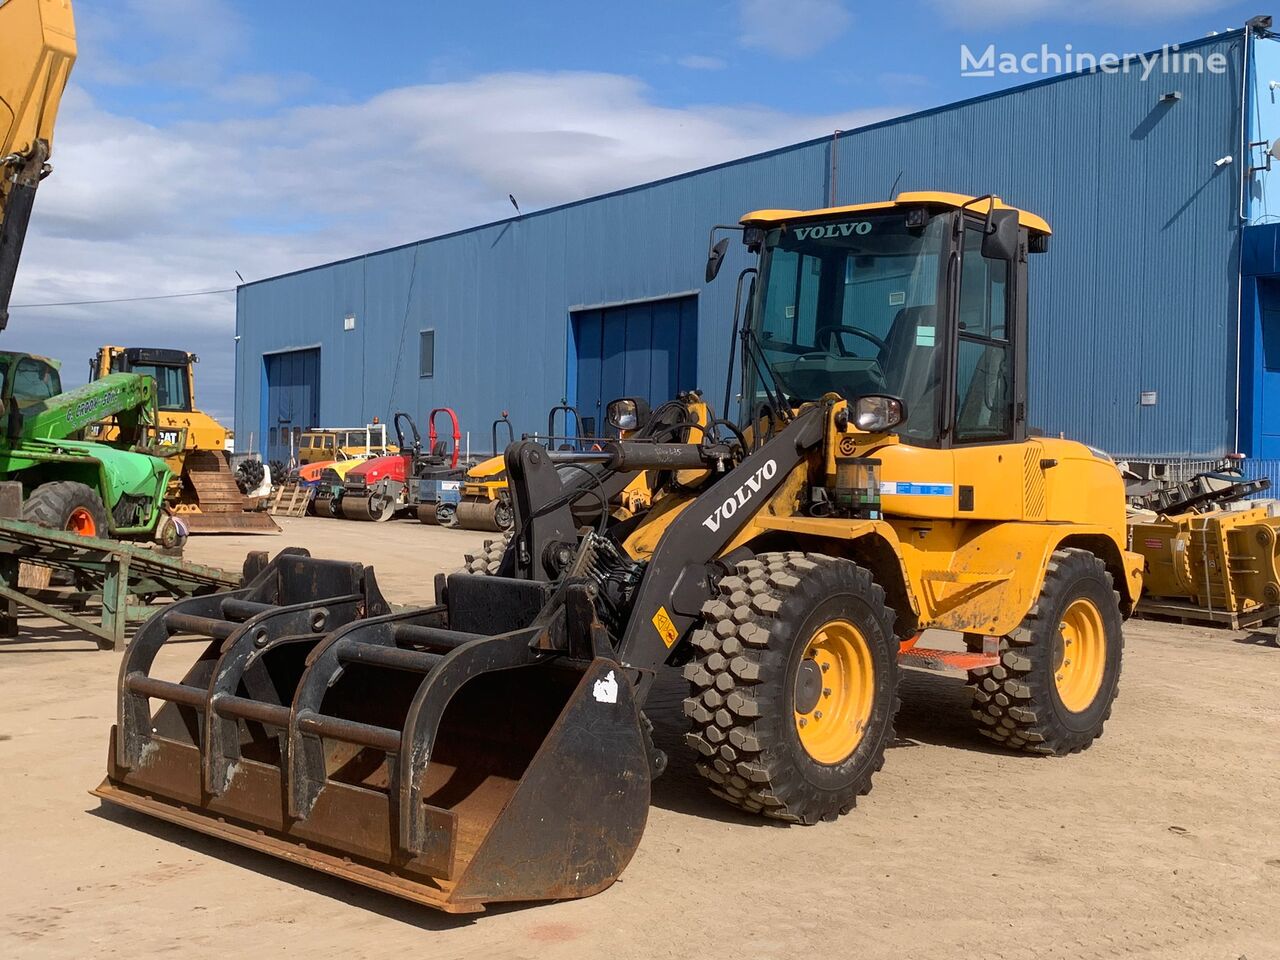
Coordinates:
426 353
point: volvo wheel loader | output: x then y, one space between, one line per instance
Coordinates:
880 480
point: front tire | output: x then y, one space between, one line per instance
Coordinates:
794 686
1059 671
65 505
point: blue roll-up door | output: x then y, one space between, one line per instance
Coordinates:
647 350
293 401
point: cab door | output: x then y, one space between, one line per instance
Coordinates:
986 412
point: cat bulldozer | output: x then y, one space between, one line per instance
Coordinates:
879 480
205 493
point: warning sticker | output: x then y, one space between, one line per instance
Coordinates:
1153 544
666 629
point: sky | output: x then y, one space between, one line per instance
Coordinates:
205 140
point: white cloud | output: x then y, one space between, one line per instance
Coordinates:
134 208
792 29
1101 11
695 61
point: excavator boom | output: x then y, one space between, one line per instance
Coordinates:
37 49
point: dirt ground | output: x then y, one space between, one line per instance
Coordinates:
1163 840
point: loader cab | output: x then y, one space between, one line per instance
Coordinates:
923 299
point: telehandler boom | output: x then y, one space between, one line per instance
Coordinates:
881 480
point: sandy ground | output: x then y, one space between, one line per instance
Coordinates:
1161 841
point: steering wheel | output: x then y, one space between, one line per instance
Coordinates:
839 328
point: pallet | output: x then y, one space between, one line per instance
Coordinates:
290 499
1190 613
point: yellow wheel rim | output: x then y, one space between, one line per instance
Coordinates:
1080 655
835 691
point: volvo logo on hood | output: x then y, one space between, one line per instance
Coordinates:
742 496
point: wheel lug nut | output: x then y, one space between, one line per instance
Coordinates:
817 714
1066 663
826 691
803 721
826 667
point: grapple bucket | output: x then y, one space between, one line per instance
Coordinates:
453 761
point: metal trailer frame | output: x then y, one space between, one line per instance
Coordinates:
128 579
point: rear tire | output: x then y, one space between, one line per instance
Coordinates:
66 505
759 688
1059 671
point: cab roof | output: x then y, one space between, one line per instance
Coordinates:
954 201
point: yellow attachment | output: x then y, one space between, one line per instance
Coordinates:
837 710
770 218
1080 656
1226 560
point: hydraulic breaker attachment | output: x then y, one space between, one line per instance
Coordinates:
487 748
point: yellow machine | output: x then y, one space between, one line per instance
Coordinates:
880 479
485 503
1224 562
205 493
342 443
37 50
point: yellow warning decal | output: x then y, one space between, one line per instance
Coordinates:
666 629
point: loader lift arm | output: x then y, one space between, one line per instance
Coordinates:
37 49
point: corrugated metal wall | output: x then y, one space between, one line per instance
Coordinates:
1138 292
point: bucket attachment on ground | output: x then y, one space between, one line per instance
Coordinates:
465 753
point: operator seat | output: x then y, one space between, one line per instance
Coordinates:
908 358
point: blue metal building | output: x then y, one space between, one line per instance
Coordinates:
1155 317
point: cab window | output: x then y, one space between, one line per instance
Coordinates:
328 441
34 380
984 354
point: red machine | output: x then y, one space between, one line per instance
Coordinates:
379 488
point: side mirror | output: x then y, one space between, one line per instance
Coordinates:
878 413
628 414
715 259
1000 238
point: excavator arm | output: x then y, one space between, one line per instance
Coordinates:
37 49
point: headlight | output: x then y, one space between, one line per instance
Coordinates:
878 414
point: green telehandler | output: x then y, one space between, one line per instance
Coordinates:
68 483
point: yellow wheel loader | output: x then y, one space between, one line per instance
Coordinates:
880 480
206 494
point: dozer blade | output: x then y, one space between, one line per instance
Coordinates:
249 521
211 498
478 515
399 750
